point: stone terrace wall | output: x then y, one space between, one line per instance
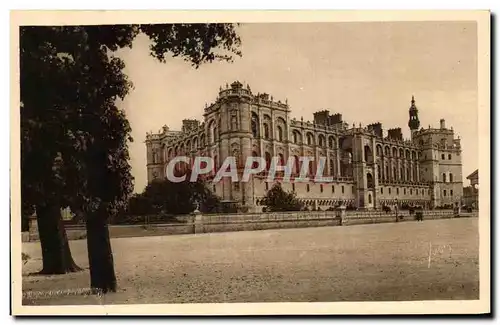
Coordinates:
253 221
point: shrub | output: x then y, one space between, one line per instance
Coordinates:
277 199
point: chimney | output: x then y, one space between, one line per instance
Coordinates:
443 124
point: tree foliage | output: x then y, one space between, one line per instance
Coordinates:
70 82
74 137
163 196
277 199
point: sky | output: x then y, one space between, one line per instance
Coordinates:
367 71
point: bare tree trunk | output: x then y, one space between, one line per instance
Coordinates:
56 253
102 272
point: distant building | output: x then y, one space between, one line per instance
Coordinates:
369 168
471 192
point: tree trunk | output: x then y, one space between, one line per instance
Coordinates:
102 271
56 253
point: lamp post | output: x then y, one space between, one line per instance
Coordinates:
459 205
397 208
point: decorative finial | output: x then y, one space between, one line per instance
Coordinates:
220 88
286 101
412 99
227 86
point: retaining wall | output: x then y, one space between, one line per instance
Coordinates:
251 221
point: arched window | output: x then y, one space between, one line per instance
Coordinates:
379 174
216 164
369 199
255 125
216 134
321 141
368 154
387 151
164 152
311 167
279 133
268 160
255 164
451 178
444 177
332 168
266 131
331 143
310 139
234 121
282 159
394 152
211 132
296 136
369 181
296 165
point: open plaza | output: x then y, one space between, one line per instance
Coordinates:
430 260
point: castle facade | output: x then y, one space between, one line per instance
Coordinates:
369 169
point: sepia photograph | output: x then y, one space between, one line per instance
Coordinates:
250 162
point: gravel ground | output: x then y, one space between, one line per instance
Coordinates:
384 262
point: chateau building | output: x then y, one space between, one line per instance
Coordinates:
370 169
471 192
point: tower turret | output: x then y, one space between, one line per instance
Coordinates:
414 122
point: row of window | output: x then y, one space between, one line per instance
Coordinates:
417 191
342 188
444 192
405 174
410 155
321 188
443 156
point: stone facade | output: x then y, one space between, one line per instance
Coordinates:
369 169
471 192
